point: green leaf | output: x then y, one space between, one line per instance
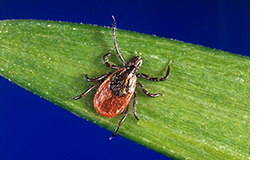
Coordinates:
204 113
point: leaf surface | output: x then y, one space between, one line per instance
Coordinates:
204 113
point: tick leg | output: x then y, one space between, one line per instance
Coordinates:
116 45
134 105
120 123
156 79
87 91
98 78
146 92
106 63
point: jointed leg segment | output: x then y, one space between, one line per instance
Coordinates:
116 45
98 78
156 79
106 63
146 92
134 105
93 86
87 91
121 122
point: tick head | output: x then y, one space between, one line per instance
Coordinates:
135 64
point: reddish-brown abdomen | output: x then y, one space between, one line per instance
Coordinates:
106 103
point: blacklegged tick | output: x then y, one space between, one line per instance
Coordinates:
115 92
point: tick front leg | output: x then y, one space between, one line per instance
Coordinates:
134 105
156 79
116 45
120 123
106 63
146 92
87 91
98 78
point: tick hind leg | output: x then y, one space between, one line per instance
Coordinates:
120 123
87 91
98 78
93 86
146 92
156 79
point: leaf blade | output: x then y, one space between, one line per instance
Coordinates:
203 115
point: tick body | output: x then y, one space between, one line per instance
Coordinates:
116 91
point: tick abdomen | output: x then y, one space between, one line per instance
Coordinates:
106 102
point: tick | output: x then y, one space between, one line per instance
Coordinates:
116 91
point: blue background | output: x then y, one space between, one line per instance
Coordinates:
33 128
